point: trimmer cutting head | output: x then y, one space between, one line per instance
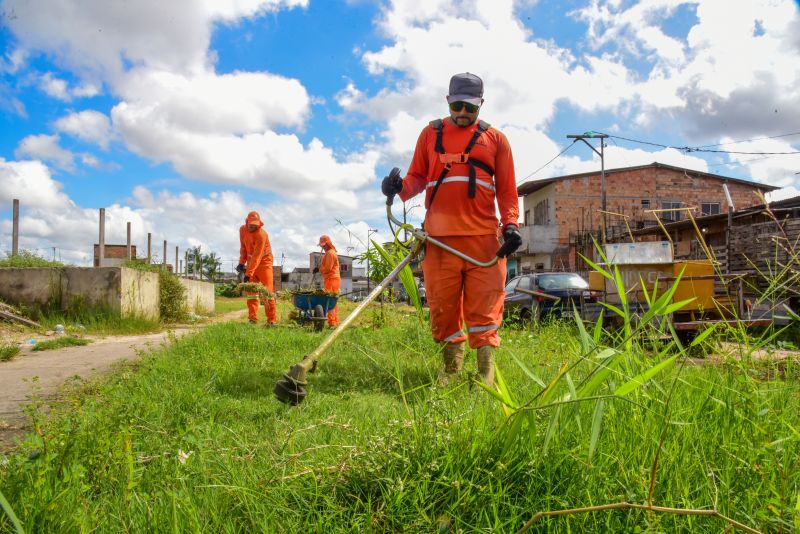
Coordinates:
289 391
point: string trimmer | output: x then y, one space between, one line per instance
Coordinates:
291 388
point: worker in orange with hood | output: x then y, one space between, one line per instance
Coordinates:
331 277
255 261
464 166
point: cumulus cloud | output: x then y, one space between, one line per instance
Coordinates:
49 218
47 148
89 125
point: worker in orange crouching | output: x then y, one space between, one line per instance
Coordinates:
331 277
255 261
464 165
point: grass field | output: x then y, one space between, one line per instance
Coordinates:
190 439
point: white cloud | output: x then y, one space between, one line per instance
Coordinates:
54 87
89 125
49 218
46 147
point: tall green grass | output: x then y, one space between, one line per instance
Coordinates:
191 439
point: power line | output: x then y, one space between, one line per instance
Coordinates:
549 162
751 140
689 149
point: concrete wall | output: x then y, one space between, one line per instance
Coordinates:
110 289
199 296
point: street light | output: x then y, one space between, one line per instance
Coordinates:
602 137
370 231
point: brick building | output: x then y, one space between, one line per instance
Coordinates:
562 214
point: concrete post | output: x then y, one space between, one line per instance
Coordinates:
129 242
149 247
15 229
101 253
164 257
186 264
175 267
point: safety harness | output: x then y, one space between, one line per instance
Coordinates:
449 159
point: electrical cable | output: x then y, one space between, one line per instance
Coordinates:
688 149
548 163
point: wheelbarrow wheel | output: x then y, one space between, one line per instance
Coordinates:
319 318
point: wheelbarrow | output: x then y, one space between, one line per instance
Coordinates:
313 308
291 389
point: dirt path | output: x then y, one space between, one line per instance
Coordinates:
53 367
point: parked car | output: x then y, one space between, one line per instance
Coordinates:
558 293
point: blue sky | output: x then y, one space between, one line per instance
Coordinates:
182 117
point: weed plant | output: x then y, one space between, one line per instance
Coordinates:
7 352
190 439
61 342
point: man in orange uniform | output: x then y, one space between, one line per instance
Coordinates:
255 261
464 165
331 277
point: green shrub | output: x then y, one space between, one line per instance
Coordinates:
227 290
171 291
26 258
173 297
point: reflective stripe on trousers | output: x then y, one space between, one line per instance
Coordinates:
451 337
484 328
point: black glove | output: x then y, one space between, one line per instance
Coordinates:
511 240
392 184
240 268
246 279
316 270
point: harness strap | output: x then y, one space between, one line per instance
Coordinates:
449 159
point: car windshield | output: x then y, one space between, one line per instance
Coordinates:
561 281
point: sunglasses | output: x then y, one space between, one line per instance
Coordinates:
458 106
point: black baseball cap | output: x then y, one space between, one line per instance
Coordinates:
465 87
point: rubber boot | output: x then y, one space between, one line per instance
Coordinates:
453 354
486 364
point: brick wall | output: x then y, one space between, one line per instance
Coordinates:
576 202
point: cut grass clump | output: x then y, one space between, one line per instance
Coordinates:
8 351
60 342
106 324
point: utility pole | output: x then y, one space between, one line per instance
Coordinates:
370 231
129 242
101 248
15 228
602 137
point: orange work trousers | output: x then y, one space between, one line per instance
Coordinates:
459 292
332 285
262 274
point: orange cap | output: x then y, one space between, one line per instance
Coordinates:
254 218
325 240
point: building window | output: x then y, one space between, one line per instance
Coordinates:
541 215
645 203
709 208
527 217
670 215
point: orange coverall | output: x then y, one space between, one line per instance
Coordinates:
255 253
331 277
458 291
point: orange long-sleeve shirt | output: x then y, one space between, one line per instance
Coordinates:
254 249
329 268
453 212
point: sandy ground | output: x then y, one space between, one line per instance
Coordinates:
44 372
